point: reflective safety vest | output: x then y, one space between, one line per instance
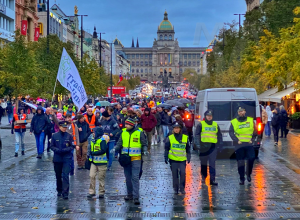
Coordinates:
73 133
243 130
158 103
124 129
96 147
74 109
92 123
23 126
65 108
177 150
209 132
132 143
52 106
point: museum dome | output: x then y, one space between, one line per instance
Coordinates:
165 25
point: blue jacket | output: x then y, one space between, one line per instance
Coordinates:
110 126
62 145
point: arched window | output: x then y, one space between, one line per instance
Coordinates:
137 71
142 63
150 70
141 70
194 63
132 70
146 70
141 75
190 63
161 37
146 63
180 70
185 63
198 63
170 37
137 63
132 63
166 37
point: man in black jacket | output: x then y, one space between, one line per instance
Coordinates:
166 121
62 145
39 124
84 133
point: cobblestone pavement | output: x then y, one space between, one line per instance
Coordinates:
27 188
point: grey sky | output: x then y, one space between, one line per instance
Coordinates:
140 18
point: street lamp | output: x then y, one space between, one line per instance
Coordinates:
81 34
100 47
239 20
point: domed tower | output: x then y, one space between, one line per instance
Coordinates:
165 30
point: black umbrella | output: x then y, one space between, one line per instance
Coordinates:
164 105
175 103
184 101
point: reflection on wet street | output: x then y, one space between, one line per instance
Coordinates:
27 189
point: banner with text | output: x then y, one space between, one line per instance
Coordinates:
24 27
69 77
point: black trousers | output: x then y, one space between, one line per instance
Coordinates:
211 159
62 171
283 130
276 133
178 174
243 155
49 136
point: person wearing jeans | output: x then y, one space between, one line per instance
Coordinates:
39 124
166 121
19 130
149 122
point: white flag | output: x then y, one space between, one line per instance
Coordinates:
69 77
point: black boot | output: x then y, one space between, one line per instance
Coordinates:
213 183
23 152
136 201
16 154
249 178
129 197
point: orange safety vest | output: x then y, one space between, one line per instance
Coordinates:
23 126
92 123
73 115
74 134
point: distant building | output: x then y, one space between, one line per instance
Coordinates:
165 56
26 10
7 20
253 4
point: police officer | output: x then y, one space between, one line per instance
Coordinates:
208 139
62 145
243 133
132 144
177 152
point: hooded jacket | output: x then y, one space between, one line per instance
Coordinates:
86 131
148 121
39 122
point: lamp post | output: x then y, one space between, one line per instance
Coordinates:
111 82
239 20
81 43
100 48
48 23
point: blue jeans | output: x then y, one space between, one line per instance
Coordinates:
165 130
10 117
132 175
19 138
268 129
111 145
39 139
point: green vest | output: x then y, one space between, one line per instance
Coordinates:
74 109
209 132
53 106
177 150
65 108
132 143
243 130
96 147
157 103
124 129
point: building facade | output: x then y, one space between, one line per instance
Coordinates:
253 4
7 20
165 56
26 10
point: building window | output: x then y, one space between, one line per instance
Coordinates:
133 63
190 63
180 70
198 63
133 56
142 56
166 37
170 37
141 75
137 63
160 37
137 70
142 63
146 70
137 56
128 56
194 63
198 70
185 63
180 63
150 56
150 70
146 63
194 56
185 56
180 56
132 70
146 56
150 63
190 56
198 55
141 70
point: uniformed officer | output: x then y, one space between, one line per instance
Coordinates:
98 156
177 152
208 140
62 145
243 133
132 144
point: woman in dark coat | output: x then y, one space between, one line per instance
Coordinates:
283 122
276 124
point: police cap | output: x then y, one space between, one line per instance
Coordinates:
240 108
63 124
208 112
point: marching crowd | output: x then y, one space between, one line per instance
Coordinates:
126 131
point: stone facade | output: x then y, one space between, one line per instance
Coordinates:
165 55
252 4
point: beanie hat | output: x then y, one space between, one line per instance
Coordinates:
105 114
147 109
130 121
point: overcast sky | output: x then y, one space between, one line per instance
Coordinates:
140 18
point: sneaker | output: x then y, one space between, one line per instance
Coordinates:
249 178
136 201
39 156
23 152
91 195
101 196
129 197
16 154
275 144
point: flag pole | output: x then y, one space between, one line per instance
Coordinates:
54 90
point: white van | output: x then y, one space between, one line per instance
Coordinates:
224 102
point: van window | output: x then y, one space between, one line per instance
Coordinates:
226 111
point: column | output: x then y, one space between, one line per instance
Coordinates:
4 23
1 22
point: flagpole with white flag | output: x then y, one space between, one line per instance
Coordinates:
69 77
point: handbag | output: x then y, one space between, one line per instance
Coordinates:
125 159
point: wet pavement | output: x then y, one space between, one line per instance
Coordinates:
28 191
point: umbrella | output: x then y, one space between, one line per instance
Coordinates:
184 101
164 105
114 104
104 103
175 103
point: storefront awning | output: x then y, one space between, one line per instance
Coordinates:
279 95
266 94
